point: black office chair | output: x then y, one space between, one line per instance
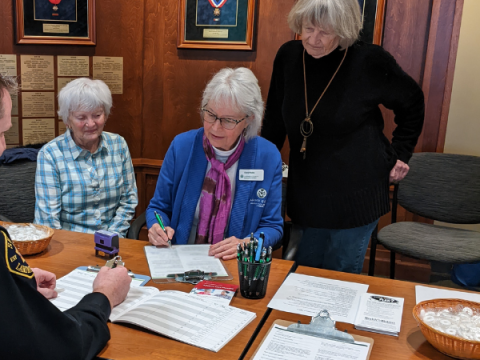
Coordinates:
134 231
443 187
17 195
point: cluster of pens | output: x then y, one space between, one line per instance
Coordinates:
254 262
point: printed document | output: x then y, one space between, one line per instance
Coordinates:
424 293
281 344
308 295
180 258
181 316
380 314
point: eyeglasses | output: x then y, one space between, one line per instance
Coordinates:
227 123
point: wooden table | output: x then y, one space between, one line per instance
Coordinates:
68 250
409 345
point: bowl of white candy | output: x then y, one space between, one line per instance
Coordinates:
452 326
29 239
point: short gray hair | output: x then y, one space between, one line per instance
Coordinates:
239 89
342 16
84 94
10 84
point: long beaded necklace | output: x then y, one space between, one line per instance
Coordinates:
306 126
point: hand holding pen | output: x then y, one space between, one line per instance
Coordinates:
159 234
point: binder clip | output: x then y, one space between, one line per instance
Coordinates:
112 263
323 326
192 276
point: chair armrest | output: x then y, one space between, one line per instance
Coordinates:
136 226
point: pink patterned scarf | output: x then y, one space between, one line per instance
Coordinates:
216 196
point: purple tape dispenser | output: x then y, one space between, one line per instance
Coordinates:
106 242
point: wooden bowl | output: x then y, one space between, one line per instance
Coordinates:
30 247
449 345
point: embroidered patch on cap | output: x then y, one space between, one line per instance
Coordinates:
15 262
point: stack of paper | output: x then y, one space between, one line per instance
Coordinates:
181 316
308 295
345 301
380 314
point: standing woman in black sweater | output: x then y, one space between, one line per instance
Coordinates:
324 95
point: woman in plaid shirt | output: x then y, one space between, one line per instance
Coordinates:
85 180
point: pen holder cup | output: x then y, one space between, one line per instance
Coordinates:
253 278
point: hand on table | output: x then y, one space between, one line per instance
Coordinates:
399 171
46 282
226 249
157 236
113 283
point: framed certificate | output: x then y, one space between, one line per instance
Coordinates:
216 24
70 22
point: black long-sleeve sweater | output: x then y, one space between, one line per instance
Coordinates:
343 182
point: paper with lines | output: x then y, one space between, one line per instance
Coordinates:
75 285
178 315
188 318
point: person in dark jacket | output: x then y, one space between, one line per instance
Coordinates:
324 96
32 327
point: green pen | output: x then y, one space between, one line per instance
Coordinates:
239 252
259 269
160 222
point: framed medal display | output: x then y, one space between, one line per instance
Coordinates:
67 22
216 24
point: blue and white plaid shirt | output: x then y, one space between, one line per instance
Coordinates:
79 191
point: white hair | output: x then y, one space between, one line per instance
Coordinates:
341 16
239 89
84 94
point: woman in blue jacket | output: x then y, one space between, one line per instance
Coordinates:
220 183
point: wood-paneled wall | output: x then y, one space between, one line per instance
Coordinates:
163 85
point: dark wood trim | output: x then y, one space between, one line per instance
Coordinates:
149 163
442 130
436 67
144 167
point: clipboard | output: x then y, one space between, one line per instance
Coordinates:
287 323
140 278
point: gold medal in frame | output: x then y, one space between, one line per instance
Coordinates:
216 24
66 22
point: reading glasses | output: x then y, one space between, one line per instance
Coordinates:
227 123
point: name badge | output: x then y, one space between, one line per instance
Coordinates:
250 175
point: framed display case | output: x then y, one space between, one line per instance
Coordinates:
70 22
216 24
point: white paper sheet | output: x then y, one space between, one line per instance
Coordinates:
379 313
424 293
285 345
308 295
181 316
180 258
75 285
190 319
